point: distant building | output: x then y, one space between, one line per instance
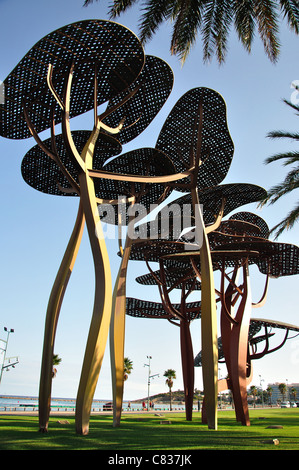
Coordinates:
277 396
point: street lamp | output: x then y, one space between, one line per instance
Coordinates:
149 379
262 380
219 378
12 361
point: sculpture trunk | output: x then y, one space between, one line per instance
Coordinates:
52 315
208 320
187 367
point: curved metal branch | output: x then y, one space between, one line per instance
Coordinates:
64 171
166 301
138 178
218 220
262 300
52 88
223 295
266 349
173 322
158 281
50 153
73 153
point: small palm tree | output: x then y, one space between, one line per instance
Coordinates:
293 393
291 181
128 367
56 361
212 20
269 392
170 375
283 390
253 391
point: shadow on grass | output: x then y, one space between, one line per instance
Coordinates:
147 433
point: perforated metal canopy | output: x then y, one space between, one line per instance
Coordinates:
140 162
147 309
235 195
154 86
113 49
174 277
153 250
177 216
238 228
256 221
196 130
277 259
42 172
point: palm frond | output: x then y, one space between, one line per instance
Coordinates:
266 17
290 11
283 135
287 223
119 6
207 30
186 27
154 13
290 183
211 19
244 22
289 158
217 19
292 105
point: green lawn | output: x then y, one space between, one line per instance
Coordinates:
144 432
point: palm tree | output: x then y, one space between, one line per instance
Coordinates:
253 391
293 393
128 367
170 376
283 390
291 181
212 20
269 392
56 361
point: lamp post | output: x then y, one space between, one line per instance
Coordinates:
219 378
149 379
262 380
4 349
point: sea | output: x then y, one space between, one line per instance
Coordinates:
27 403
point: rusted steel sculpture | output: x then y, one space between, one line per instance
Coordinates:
270 329
221 200
258 345
240 242
195 136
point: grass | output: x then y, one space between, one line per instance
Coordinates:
144 432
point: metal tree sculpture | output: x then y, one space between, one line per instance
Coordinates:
106 61
222 200
196 138
148 163
240 242
258 345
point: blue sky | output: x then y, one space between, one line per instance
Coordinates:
36 227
